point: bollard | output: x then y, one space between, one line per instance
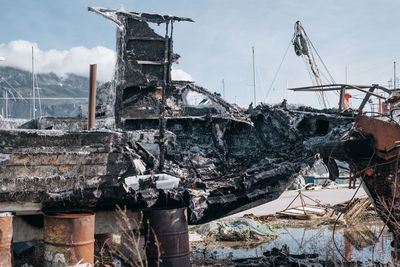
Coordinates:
6 233
171 229
69 240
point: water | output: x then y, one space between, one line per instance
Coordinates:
359 244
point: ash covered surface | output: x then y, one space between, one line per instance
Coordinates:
223 165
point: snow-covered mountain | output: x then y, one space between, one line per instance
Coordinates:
19 83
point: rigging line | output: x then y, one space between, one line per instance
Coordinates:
38 94
312 78
18 93
350 203
330 75
394 196
315 50
260 79
279 68
7 90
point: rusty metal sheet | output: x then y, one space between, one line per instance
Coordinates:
385 133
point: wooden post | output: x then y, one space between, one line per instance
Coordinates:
92 96
341 100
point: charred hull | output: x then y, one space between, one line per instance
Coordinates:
223 165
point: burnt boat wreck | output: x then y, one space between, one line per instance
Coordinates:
159 143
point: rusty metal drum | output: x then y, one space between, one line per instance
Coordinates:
170 227
69 240
6 233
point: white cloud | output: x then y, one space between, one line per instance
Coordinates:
76 60
180 75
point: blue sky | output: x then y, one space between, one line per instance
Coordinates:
359 34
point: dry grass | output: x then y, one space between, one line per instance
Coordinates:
131 247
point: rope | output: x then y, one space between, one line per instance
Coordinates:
312 45
18 93
351 202
277 71
394 195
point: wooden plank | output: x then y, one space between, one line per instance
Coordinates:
21 208
336 86
293 211
365 91
315 210
148 62
146 38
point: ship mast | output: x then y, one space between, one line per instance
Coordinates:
33 86
254 79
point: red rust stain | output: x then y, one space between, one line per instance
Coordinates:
65 168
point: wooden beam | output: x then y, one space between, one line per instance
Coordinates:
366 98
365 91
383 89
338 86
145 38
315 89
148 62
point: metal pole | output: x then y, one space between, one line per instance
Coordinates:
92 96
254 79
223 89
33 87
6 104
394 75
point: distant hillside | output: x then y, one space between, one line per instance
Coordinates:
50 85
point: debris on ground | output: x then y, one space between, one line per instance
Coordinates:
312 186
353 212
237 229
306 211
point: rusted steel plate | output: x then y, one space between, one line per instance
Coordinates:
385 133
69 239
6 233
171 230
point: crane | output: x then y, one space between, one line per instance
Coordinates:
304 48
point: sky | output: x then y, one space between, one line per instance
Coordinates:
360 35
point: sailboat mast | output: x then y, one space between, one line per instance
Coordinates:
33 86
394 76
223 89
254 79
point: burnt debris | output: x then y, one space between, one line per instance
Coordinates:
175 144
